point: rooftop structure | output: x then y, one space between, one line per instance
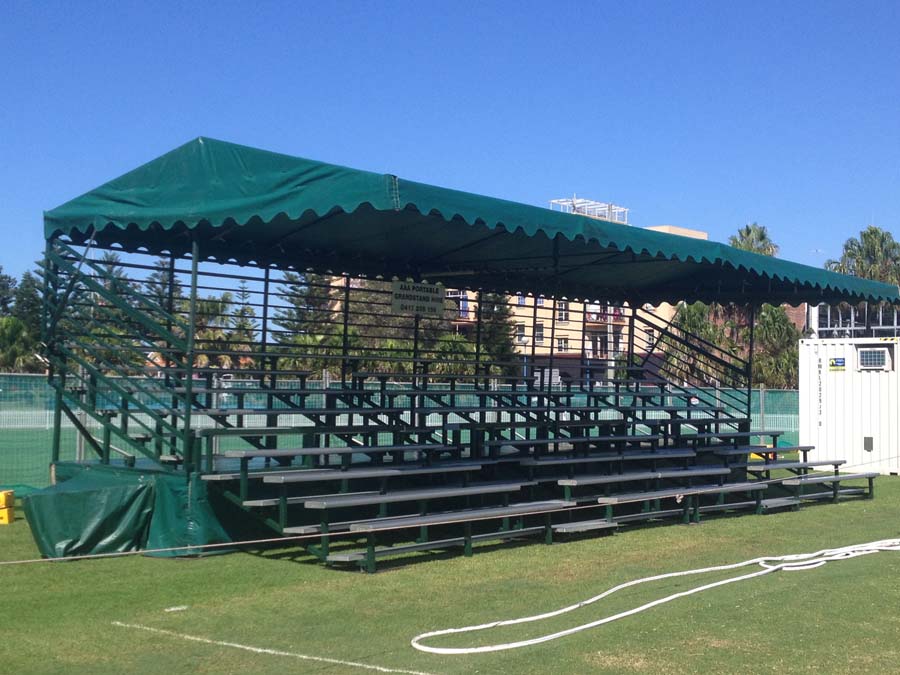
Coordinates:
591 209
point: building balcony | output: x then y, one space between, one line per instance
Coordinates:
614 315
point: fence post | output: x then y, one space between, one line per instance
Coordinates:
762 406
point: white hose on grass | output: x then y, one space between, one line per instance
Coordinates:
797 562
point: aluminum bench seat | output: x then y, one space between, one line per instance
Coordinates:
344 501
630 476
350 450
317 475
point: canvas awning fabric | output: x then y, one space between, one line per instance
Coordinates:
250 206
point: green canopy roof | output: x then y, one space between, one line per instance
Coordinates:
251 206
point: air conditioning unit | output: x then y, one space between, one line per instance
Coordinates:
873 358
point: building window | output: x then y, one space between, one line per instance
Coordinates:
651 336
540 300
562 311
538 333
520 333
463 308
562 344
520 299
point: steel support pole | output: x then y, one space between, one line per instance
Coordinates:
752 317
187 446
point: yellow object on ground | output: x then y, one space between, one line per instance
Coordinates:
7 498
7 516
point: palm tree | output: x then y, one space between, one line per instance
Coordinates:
776 358
16 347
211 331
455 354
754 238
875 255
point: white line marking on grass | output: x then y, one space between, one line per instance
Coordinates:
261 650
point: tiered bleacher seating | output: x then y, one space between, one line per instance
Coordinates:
464 460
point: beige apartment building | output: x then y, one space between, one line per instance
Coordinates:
569 327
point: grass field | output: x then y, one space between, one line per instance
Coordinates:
845 617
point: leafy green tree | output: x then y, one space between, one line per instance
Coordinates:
754 238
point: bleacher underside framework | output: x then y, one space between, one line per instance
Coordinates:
391 367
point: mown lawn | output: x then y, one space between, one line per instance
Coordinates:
845 617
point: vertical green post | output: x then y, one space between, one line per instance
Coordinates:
752 318
282 505
370 553
551 357
57 419
244 480
189 359
345 337
106 439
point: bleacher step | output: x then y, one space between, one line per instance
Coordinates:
585 526
359 556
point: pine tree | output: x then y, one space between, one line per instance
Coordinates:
156 286
304 320
497 346
7 292
243 335
306 303
27 306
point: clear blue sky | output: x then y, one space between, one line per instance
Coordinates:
704 115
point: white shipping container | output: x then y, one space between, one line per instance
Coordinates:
849 397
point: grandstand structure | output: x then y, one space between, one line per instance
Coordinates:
276 333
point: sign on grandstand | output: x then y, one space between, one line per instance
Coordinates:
408 297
